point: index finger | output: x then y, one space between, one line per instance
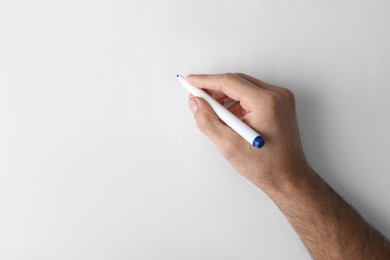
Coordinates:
231 84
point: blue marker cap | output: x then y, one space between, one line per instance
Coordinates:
258 142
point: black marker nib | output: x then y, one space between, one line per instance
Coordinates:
177 76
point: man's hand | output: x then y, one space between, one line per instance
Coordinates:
329 227
268 109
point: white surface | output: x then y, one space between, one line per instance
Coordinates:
100 157
224 114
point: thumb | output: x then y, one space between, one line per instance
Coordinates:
208 122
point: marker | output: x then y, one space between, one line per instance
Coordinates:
225 115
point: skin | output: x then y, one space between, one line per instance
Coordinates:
328 226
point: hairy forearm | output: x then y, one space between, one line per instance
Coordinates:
329 227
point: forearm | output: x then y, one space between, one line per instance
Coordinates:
329 227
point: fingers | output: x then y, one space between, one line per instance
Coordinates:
220 97
237 110
215 94
208 122
253 80
230 84
276 89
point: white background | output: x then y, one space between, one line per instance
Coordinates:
100 157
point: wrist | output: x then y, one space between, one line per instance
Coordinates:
290 183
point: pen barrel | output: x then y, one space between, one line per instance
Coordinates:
234 122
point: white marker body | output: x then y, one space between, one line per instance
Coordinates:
225 115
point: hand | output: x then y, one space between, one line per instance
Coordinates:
268 109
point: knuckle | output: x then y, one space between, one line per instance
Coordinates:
288 95
273 103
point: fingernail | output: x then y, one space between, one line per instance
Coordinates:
193 105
